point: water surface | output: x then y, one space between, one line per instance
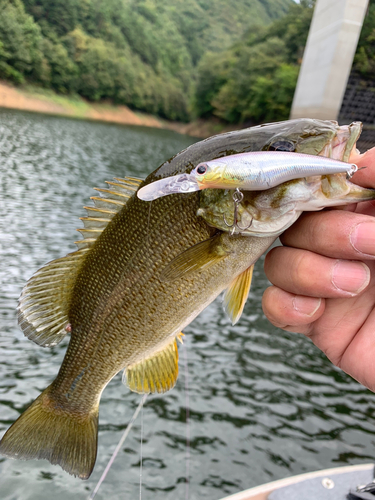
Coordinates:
263 404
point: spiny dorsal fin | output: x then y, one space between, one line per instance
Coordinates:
109 202
236 295
158 373
198 257
44 301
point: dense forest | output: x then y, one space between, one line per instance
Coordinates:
142 53
178 59
254 80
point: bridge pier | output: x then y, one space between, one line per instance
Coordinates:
328 58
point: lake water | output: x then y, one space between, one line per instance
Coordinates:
263 404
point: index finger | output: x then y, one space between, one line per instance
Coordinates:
336 233
340 234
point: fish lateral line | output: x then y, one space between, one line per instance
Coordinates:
206 260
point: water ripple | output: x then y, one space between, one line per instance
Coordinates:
263 403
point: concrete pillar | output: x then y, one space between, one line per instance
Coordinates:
328 58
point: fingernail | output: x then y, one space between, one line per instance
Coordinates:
306 305
350 277
362 238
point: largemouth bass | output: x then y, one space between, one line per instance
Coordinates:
255 171
144 270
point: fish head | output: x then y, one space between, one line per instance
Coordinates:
316 137
270 212
186 173
302 135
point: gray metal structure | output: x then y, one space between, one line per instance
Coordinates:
328 58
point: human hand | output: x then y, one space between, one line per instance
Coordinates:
324 281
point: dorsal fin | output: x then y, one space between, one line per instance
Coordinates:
109 202
45 299
157 373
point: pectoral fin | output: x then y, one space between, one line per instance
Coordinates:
158 373
236 295
44 301
196 258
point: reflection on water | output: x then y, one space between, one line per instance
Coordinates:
263 404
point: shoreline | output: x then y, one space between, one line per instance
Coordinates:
45 101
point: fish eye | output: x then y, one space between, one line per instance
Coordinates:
282 146
202 169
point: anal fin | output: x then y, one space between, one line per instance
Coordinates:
158 373
236 294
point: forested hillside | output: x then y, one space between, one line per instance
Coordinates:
254 80
179 59
142 53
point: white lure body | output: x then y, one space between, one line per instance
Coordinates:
255 171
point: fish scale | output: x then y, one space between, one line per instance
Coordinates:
132 250
143 273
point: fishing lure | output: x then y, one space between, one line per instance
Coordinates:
255 171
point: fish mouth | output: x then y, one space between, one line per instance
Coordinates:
343 145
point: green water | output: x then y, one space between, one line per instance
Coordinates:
263 404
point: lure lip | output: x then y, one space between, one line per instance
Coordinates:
177 184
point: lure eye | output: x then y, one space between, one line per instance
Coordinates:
282 146
202 169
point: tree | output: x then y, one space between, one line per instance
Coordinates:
21 54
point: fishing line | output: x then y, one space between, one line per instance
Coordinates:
187 458
117 449
141 457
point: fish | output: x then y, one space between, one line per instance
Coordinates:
252 171
143 271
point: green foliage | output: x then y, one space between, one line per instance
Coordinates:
107 72
61 72
364 59
142 53
20 55
212 74
272 98
255 79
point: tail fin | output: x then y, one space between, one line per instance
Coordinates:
63 438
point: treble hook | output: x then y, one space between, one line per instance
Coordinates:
353 170
237 198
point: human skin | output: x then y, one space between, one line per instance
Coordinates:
323 280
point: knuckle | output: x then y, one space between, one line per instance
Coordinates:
301 271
